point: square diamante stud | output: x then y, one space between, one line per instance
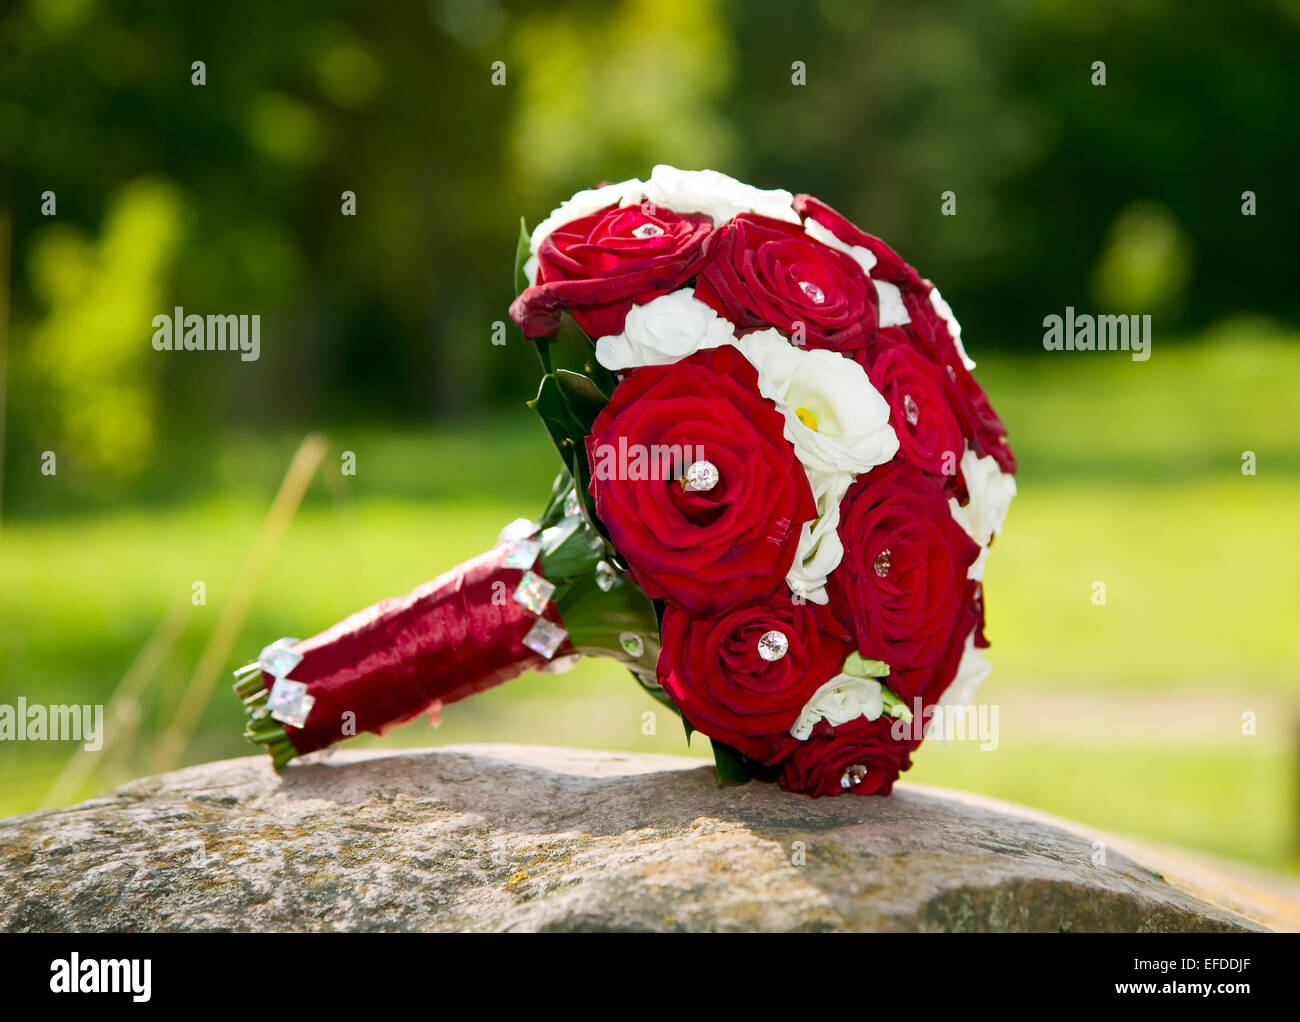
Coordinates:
278 659
289 702
522 553
533 592
520 528
545 637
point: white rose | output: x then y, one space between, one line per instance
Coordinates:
662 331
836 420
584 203
971 673
819 232
842 699
820 550
720 196
944 312
991 491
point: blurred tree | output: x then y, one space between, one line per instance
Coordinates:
387 314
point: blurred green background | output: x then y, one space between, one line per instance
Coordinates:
376 331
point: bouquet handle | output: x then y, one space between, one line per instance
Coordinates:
474 627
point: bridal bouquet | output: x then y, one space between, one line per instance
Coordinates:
780 482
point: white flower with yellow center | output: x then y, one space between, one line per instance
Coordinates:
663 331
836 420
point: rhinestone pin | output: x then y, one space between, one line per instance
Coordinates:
647 231
815 294
882 563
631 644
853 776
605 576
773 645
910 409
700 477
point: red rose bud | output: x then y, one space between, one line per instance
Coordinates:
902 586
702 550
763 273
599 266
744 676
459 634
859 758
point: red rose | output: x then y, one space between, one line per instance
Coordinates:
599 266
889 266
930 333
923 402
902 583
929 683
860 757
768 273
988 434
702 550
715 674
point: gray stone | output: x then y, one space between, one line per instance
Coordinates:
528 838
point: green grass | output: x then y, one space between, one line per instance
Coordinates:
1130 475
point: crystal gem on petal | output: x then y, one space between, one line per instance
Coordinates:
910 409
853 776
522 553
278 659
545 637
700 477
773 645
882 563
520 528
289 703
631 643
815 294
533 592
648 231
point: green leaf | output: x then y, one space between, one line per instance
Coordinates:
554 510
570 548
559 421
522 251
894 705
729 764
595 619
570 348
860 667
583 397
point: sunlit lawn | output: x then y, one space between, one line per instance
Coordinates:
1130 477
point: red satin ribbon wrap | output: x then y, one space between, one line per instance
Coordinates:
391 662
